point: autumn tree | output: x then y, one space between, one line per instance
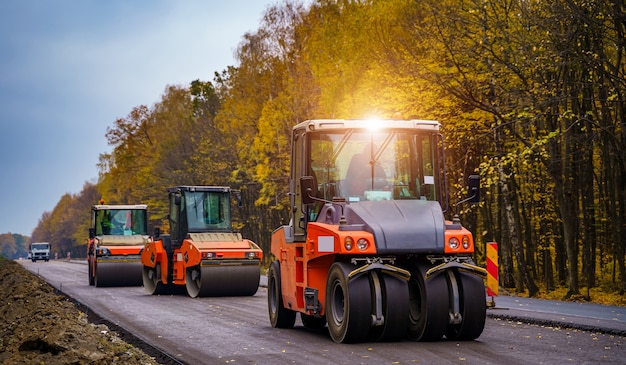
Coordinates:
8 246
530 96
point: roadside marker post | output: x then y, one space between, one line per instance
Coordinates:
492 272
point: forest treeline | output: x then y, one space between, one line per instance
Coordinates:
531 96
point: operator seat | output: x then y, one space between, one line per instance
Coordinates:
359 176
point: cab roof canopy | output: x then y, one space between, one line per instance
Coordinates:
127 206
330 124
219 189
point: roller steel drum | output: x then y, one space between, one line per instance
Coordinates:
224 279
119 273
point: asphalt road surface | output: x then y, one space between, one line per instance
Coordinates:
236 330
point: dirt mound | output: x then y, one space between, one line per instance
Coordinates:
39 326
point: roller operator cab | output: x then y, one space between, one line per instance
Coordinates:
202 252
117 235
368 251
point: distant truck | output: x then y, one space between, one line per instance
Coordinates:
40 251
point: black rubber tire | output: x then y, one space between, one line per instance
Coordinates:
473 308
348 305
395 302
429 312
311 322
280 317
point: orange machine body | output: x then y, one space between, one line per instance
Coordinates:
367 251
116 238
202 251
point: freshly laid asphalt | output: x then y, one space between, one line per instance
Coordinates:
578 315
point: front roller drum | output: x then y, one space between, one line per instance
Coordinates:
118 274
222 280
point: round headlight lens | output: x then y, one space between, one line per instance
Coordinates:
453 243
348 243
362 244
466 242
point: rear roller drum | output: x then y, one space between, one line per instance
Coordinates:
152 280
193 281
222 280
348 305
471 304
394 302
280 317
92 281
429 313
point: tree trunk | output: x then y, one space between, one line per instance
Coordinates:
511 225
621 243
590 239
507 277
568 215
561 257
548 274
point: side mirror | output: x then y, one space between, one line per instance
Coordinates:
177 198
157 233
308 190
473 189
92 233
238 199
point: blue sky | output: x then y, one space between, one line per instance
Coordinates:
70 68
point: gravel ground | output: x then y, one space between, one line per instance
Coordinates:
40 326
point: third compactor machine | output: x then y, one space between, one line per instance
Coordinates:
117 235
368 251
202 252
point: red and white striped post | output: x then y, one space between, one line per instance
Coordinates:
492 272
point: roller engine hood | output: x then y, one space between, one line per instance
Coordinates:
401 226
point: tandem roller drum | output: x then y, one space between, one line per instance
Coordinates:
223 279
112 273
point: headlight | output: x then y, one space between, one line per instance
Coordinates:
362 244
209 255
251 255
103 251
348 243
466 242
453 243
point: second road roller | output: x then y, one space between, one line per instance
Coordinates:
117 235
202 252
